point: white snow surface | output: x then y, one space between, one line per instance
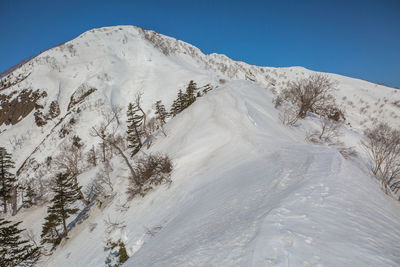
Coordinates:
246 190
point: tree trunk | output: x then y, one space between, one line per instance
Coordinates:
65 228
14 205
104 152
127 162
5 205
82 196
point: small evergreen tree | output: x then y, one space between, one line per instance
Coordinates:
50 233
134 132
60 210
76 142
29 196
7 179
117 253
179 104
190 96
15 251
161 113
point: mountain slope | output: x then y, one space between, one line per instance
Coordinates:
246 190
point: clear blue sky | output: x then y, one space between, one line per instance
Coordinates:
354 38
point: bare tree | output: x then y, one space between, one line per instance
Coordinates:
152 170
288 116
107 132
70 160
101 185
91 156
312 94
112 226
383 147
348 152
328 133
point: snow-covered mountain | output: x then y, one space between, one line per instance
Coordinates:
246 190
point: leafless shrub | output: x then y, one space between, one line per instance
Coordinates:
396 103
153 230
151 170
70 160
348 152
288 116
328 133
277 101
313 94
30 235
383 147
331 111
152 125
113 225
101 186
106 131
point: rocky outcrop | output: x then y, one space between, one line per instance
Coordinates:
15 107
80 94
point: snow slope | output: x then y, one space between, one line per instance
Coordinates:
246 191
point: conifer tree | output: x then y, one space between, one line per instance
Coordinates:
7 179
161 113
29 196
15 251
117 253
60 210
76 142
190 96
134 132
50 233
179 104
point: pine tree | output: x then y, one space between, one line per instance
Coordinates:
161 113
66 194
117 253
76 142
50 233
29 196
190 96
179 104
134 132
15 251
7 179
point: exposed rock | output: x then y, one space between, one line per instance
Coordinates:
80 94
54 110
15 108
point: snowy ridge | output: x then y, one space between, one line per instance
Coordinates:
246 191
247 194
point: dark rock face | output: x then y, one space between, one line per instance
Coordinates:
80 94
16 107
